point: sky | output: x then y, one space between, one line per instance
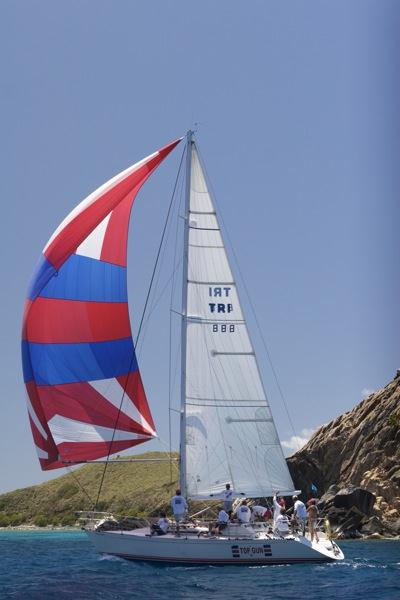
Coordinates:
297 111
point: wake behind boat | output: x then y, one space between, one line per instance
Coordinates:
86 398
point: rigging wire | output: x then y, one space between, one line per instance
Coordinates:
154 303
226 231
159 249
140 325
81 487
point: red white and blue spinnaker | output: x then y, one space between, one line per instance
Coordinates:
85 395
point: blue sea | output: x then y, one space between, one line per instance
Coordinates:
62 565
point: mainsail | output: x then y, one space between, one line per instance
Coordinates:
230 435
85 395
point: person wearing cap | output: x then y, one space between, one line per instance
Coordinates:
299 513
179 507
243 513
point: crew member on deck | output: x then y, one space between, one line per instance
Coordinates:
312 512
243 513
179 507
223 520
300 514
227 496
260 513
162 525
279 503
282 523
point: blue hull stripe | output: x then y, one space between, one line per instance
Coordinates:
52 364
81 278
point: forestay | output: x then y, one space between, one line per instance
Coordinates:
230 433
85 395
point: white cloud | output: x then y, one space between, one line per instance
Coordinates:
298 441
365 392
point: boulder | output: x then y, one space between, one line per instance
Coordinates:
355 497
327 499
372 526
392 528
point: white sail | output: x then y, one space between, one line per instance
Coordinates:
230 434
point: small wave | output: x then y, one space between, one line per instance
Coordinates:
111 558
269 566
186 568
356 565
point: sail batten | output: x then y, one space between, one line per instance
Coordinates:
85 394
230 433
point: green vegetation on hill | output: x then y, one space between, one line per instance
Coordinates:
139 489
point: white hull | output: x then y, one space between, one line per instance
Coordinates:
262 550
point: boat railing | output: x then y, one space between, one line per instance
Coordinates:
106 521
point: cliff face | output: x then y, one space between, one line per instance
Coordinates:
360 448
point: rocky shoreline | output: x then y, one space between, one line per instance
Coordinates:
354 461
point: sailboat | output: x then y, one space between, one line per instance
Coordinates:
86 399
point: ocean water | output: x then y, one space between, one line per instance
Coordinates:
64 566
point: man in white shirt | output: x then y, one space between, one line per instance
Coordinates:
223 520
261 513
243 513
282 523
179 507
300 513
278 505
162 525
227 496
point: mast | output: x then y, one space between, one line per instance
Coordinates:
189 142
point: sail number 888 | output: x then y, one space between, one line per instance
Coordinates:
219 328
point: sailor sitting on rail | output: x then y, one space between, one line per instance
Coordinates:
243 513
222 522
162 525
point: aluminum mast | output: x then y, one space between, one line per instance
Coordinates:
189 142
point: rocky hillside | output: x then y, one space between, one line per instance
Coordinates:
360 448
